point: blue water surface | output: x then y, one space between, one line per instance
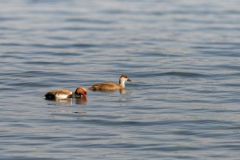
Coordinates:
183 58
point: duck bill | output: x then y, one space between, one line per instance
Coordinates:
84 96
129 80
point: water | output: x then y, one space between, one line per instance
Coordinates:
183 58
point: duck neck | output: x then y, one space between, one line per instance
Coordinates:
122 83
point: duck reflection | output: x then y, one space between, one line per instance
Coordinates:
122 91
66 102
70 101
81 101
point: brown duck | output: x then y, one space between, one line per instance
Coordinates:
111 86
65 93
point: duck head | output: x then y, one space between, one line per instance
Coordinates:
123 78
81 92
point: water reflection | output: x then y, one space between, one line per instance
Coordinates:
70 101
81 101
67 101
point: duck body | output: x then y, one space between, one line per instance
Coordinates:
106 86
58 94
111 86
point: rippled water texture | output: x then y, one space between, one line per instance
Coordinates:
183 57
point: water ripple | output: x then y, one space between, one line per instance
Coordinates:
182 57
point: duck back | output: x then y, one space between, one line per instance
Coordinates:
107 86
58 94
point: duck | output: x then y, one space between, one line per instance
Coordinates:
81 92
111 86
65 94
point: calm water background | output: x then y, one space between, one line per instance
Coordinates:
183 57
